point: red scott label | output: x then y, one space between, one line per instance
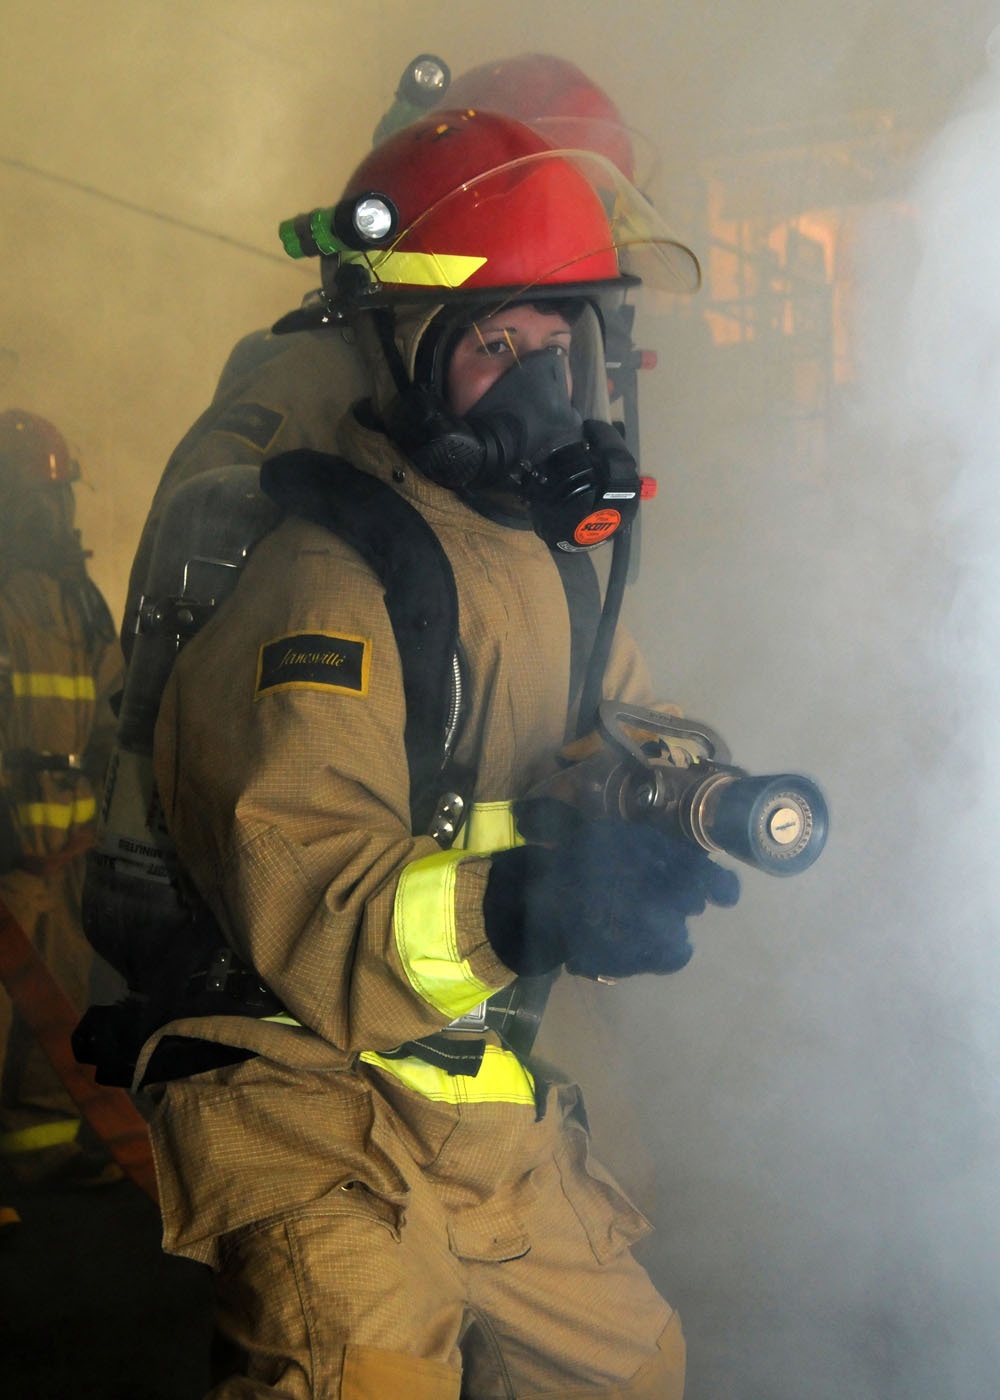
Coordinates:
597 527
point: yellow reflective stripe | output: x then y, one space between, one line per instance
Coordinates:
489 827
41 1135
427 938
501 1078
61 815
419 269
37 685
424 913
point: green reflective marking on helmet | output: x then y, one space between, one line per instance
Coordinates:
290 239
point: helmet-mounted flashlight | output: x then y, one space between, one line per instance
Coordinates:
425 81
374 219
355 225
423 85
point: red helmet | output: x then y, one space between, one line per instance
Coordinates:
466 201
554 97
33 452
36 494
483 203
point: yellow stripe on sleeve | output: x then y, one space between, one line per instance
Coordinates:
427 938
424 914
40 685
59 816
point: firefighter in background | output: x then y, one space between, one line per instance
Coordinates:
59 665
287 387
395 1198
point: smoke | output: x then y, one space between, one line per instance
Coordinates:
825 1079
811 1111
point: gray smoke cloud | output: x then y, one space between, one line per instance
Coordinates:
825 1079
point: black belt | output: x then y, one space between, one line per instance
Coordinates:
514 1014
38 761
453 1056
228 986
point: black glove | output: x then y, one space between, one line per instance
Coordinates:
611 899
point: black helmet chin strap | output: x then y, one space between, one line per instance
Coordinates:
385 328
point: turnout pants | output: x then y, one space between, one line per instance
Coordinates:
471 1251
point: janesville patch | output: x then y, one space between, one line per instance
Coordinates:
314 661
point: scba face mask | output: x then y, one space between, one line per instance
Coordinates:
526 437
521 418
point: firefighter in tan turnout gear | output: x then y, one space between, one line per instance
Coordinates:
396 1199
59 664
